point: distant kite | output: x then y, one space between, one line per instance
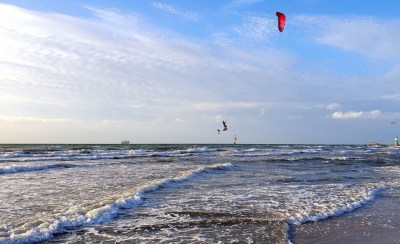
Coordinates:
281 21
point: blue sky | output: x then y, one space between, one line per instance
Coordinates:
171 71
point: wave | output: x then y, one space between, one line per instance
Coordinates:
91 153
348 200
337 210
13 169
97 212
265 152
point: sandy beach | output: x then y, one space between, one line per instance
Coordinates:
376 222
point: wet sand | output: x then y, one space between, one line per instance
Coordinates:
376 222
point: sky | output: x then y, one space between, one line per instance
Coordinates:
100 71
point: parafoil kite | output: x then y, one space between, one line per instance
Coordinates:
281 21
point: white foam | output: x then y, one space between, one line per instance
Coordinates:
10 169
336 201
99 212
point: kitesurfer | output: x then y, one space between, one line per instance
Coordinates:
224 124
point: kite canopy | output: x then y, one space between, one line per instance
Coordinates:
281 21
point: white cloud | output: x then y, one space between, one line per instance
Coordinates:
190 15
241 3
330 106
255 27
116 65
225 106
348 115
16 119
393 97
392 76
179 120
222 39
96 64
357 115
61 66
217 118
371 37
115 122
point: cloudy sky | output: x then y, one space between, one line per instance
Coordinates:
100 71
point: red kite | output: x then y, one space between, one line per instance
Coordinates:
281 21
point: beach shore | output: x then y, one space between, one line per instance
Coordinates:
377 221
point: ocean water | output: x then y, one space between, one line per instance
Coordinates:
183 193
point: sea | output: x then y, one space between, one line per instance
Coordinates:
184 193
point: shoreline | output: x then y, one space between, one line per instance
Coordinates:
377 221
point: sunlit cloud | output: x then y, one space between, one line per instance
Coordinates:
357 115
15 119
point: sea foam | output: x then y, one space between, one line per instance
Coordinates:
99 212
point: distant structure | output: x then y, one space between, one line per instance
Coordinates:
125 142
374 144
